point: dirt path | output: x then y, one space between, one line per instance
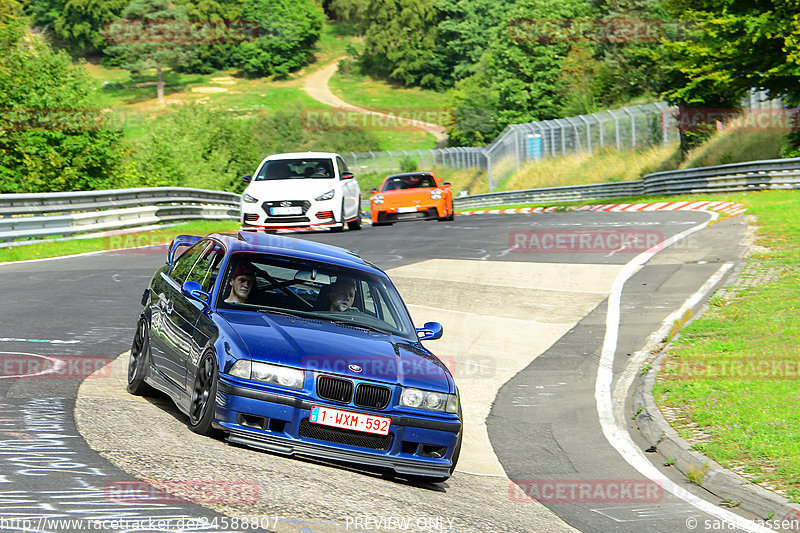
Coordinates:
316 86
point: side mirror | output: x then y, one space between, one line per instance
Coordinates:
373 190
430 331
348 175
195 291
247 179
446 184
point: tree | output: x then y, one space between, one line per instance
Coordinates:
289 30
82 23
464 31
729 48
151 33
51 136
349 11
194 146
518 78
579 81
400 41
213 55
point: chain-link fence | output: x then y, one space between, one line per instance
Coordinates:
622 129
625 128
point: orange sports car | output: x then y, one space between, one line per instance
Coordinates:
411 196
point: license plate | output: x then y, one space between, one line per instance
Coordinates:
407 209
326 416
294 210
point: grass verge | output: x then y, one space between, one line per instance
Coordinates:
113 242
607 165
734 371
377 95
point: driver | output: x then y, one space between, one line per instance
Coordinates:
242 283
342 293
320 171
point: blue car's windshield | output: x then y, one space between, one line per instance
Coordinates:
282 285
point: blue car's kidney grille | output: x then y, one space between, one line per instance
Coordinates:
345 436
335 389
372 396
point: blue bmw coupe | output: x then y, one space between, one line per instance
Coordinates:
297 348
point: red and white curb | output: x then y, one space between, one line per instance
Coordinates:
729 208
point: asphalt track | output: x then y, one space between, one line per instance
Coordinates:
525 334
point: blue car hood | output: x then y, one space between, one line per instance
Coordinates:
336 349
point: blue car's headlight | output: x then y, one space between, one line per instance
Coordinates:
272 374
327 196
432 401
249 199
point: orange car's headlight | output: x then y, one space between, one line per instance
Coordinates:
436 194
377 199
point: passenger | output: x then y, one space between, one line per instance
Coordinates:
342 294
242 283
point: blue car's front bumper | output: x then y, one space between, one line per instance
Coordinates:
278 423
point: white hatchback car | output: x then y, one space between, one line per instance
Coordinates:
301 190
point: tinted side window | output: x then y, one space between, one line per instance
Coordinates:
207 267
182 265
342 166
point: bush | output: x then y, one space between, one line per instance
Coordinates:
196 147
51 137
289 30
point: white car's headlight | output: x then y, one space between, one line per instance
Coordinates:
272 374
436 194
327 196
249 199
432 401
377 199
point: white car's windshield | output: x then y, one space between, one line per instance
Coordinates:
283 169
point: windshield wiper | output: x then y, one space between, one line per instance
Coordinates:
272 311
360 325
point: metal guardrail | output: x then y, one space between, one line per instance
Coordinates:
736 177
69 214
82 214
552 194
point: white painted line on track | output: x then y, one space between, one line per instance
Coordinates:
617 435
50 341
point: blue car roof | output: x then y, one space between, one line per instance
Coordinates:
249 241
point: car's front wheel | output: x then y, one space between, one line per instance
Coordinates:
340 227
204 393
356 224
139 361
